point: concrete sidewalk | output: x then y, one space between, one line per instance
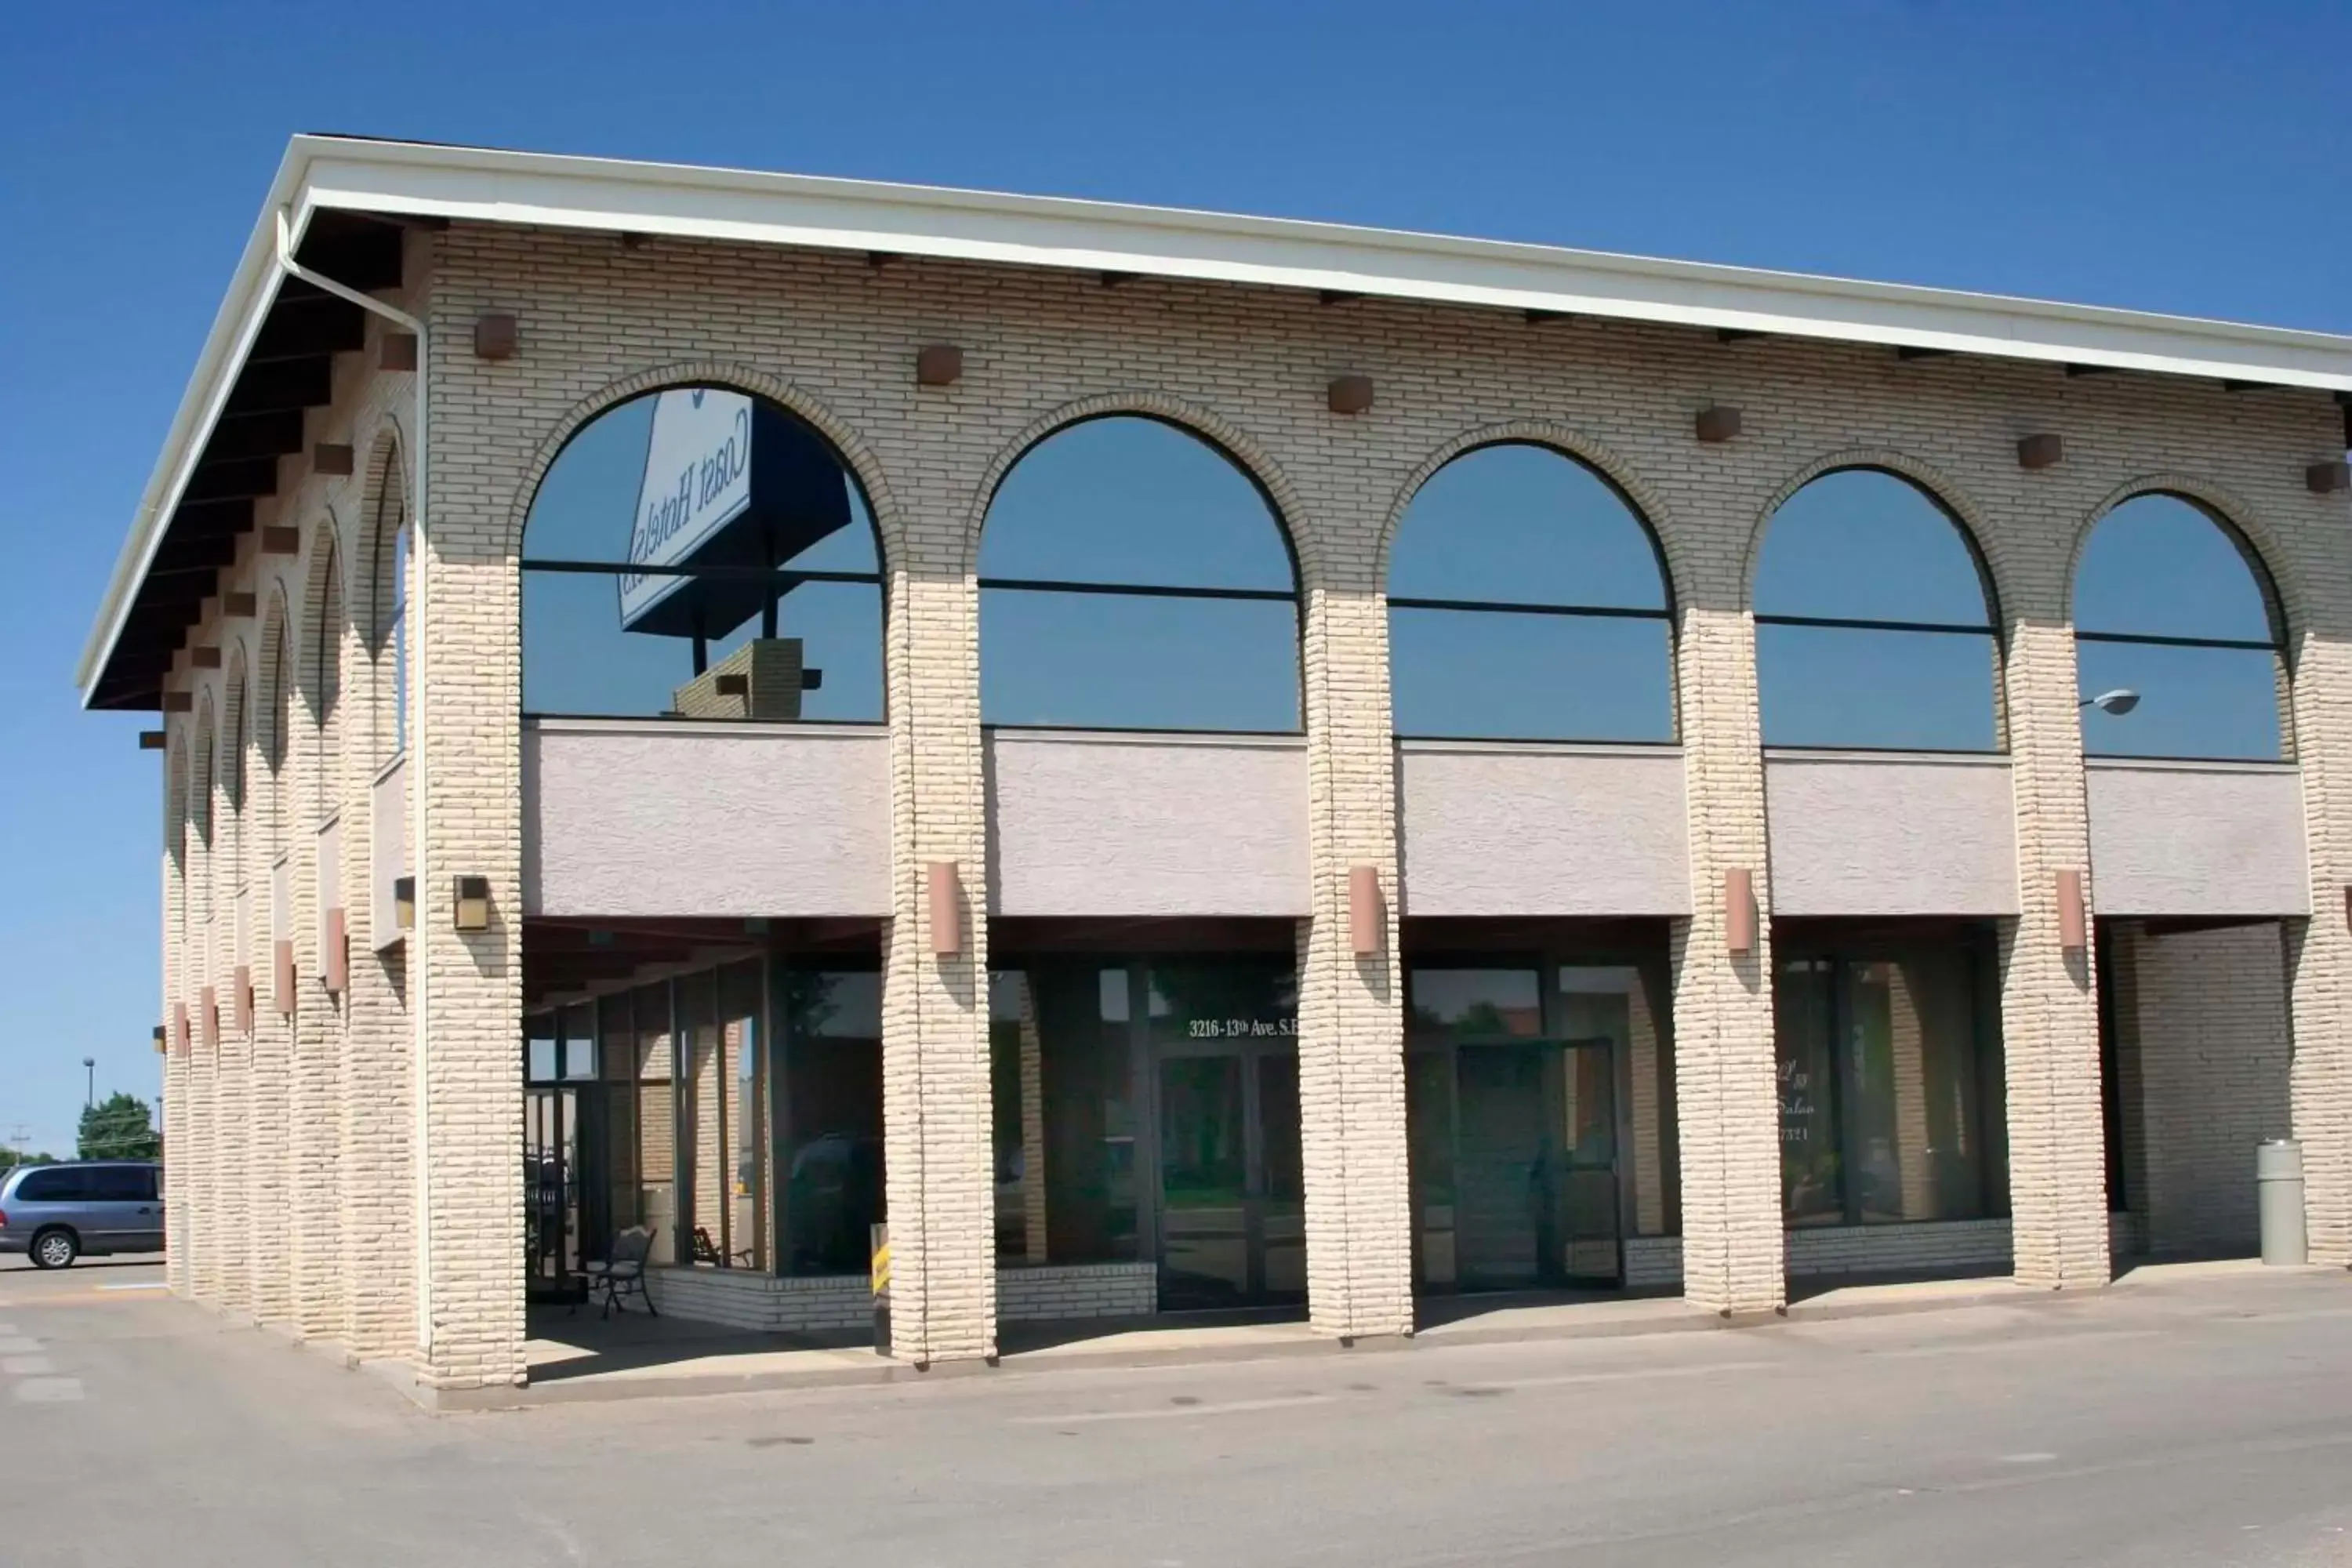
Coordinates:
577 1358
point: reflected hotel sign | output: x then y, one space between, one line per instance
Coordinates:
698 480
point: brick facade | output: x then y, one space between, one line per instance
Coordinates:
834 339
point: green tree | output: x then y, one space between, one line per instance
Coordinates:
12 1158
119 1127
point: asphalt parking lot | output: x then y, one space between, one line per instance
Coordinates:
2204 1417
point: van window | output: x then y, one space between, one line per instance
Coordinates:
121 1185
60 1184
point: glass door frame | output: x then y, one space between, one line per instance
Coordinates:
1547 965
1251 1055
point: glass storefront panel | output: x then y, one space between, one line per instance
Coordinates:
702 1117
741 1034
655 1067
1087 1081
1892 1090
1812 1189
1014 1092
1476 1003
832 1023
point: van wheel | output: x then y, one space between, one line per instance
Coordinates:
54 1249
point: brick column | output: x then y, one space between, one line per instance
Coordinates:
935 1077
204 1276
179 1164
2319 950
270 1130
1725 1091
1350 1017
311 1093
2049 999
464 622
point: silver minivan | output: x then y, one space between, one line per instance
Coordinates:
57 1213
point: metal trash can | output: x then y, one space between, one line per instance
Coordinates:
2278 1180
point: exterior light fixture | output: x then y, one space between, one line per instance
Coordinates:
471 904
1368 922
2074 913
208 1018
335 953
403 902
1349 394
281 976
179 1027
1740 915
153 739
241 999
162 1040
946 890
2119 701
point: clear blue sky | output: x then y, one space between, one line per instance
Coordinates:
2166 156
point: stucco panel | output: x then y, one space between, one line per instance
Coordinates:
1542 830
2197 838
623 818
1852 834
1099 824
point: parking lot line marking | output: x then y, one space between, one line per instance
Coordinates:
141 1285
26 1366
1172 1412
19 1345
49 1391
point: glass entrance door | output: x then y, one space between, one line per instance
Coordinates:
1231 1224
551 1217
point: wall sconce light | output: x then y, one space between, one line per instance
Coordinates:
495 336
162 1040
335 960
2328 479
179 1027
153 739
281 976
208 1018
938 364
1349 394
2073 920
946 909
1718 424
2040 452
470 904
403 902
241 999
1368 918
1740 911
2347 906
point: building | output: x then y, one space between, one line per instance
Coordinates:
1204 761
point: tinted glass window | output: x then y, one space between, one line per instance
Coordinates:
1873 625
121 1185
57 1186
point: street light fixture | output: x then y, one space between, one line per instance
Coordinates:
2119 701
89 1090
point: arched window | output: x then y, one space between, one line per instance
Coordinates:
388 533
278 672
702 553
1874 622
2171 603
176 800
1133 576
239 735
327 632
200 782
1527 601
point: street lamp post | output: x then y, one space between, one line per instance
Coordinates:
89 1083
2119 701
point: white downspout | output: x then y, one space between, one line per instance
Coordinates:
420 977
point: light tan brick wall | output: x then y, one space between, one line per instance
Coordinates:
833 338
1914 1156
179 1134
2214 1072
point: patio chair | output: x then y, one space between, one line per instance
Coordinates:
622 1272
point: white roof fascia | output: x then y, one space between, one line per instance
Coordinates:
483 185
